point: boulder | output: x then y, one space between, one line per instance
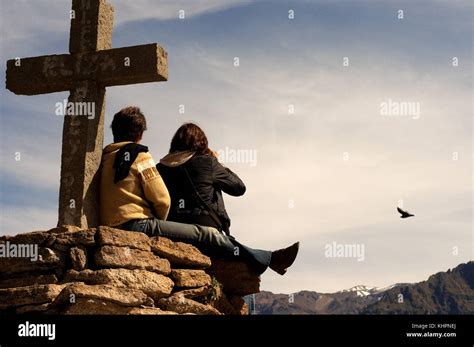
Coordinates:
149 311
28 279
78 256
236 277
86 306
181 304
30 295
117 237
178 253
32 308
34 237
120 296
239 305
131 258
101 307
64 241
63 229
154 285
193 293
47 259
190 278
227 304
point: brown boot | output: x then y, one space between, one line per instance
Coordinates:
282 259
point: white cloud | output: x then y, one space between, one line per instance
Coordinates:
145 9
25 20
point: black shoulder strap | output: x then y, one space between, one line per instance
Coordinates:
125 158
211 211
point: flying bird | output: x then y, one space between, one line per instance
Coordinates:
404 214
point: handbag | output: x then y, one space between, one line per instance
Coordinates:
209 209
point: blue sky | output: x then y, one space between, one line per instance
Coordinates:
300 155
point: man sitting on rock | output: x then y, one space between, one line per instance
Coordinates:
134 197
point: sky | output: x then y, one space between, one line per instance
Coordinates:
306 101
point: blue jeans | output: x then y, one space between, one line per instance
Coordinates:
208 239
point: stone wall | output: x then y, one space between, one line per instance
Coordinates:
110 271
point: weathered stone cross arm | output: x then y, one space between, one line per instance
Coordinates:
111 67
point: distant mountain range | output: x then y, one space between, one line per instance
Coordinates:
450 292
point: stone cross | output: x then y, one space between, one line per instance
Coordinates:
91 66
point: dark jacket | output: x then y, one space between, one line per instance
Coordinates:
210 179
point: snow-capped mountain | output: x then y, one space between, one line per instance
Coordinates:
348 301
366 290
450 292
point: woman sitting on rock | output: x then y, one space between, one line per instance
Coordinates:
195 180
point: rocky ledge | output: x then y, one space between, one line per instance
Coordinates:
111 271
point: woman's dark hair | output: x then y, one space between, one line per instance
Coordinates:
190 137
128 124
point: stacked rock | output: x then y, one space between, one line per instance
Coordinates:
111 271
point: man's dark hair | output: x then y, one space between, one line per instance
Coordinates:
128 124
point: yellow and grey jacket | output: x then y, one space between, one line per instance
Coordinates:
142 194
